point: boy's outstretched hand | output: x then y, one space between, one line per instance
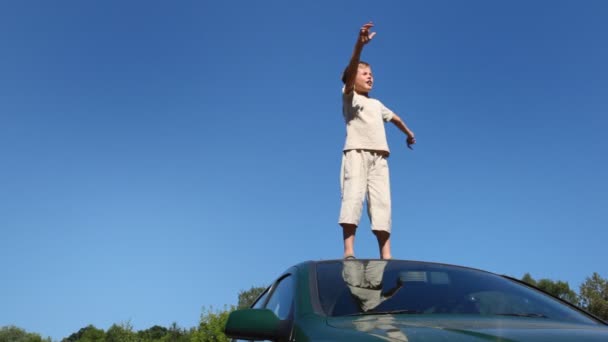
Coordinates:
364 35
410 141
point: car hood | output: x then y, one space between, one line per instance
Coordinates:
415 328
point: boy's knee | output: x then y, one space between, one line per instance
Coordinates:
382 234
348 226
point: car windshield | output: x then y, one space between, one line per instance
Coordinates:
368 287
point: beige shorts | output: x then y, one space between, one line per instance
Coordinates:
365 175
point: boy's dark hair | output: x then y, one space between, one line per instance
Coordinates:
346 69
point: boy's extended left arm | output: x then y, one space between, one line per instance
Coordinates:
411 139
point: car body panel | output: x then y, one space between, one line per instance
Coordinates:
440 327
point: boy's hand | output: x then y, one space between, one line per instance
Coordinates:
364 35
411 140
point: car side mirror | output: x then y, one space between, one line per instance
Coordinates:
253 324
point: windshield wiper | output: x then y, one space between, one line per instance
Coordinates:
389 312
531 314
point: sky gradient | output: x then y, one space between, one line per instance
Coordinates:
158 157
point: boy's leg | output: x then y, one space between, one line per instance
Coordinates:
353 180
348 233
379 204
384 244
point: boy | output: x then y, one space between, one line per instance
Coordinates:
364 165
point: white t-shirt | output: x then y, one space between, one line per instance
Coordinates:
365 119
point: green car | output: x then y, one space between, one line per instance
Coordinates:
398 300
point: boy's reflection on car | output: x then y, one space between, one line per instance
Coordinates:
364 279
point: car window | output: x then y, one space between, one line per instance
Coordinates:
281 299
366 286
261 300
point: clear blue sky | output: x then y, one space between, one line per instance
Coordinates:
158 157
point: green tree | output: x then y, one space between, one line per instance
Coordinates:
14 334
527 278
594 296
558 288
87 334
155 333
176 334
121 333
246 298
211 326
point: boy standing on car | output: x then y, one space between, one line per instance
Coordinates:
364 161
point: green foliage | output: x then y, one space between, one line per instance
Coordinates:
78 335
121 333
211 326
15 334
246 298
87 334
594 296
558 288
527 278
92 334
176 334
155 333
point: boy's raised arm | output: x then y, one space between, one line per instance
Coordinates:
351 71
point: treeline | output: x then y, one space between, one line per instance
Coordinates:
592 296
210 328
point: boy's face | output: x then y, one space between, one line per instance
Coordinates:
364 80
